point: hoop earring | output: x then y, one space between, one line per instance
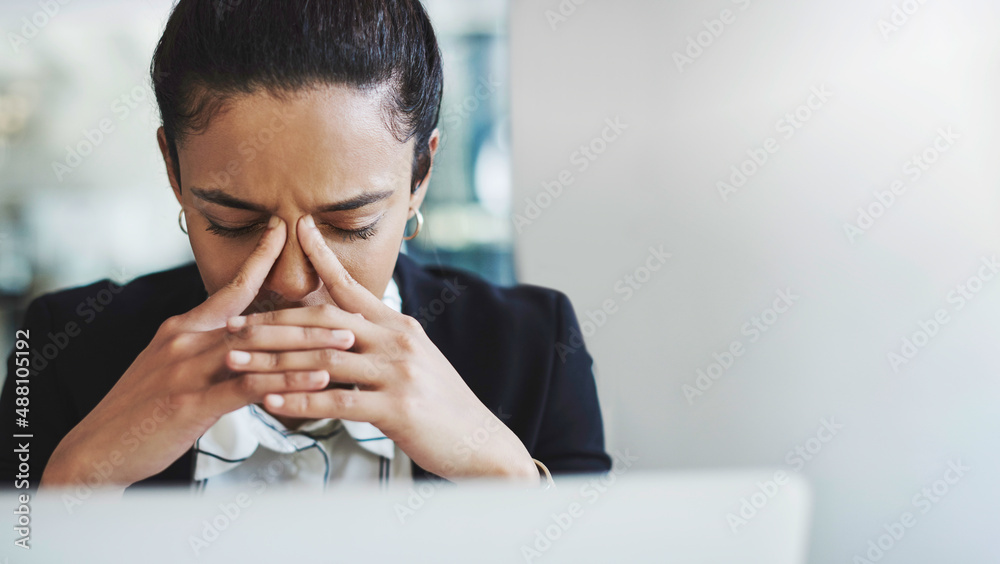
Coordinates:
420 223
182 226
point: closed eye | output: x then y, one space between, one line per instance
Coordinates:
364 233
234 232
350 234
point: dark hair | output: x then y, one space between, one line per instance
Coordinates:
212 50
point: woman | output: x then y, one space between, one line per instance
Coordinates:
298 138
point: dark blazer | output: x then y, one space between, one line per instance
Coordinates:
519 349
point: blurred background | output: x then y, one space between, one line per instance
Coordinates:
889 106
778 223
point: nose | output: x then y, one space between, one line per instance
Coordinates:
292 277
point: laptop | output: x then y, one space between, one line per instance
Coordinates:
631 516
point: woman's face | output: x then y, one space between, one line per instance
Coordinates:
324 152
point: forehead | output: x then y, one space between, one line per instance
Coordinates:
308 145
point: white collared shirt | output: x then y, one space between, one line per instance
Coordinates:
249 448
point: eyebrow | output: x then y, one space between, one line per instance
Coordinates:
216 196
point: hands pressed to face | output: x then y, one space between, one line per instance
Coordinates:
404 385
211 360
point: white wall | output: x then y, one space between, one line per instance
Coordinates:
827 357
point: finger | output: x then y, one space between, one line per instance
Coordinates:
347 292
244 389
233 298
353 405
343 366
256 337
326 316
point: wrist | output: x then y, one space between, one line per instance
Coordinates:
69 467
516 467
57 472
527 471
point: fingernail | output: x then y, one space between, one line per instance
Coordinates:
275 220
274 400
239 357
310 222
318 377
341 334
237 322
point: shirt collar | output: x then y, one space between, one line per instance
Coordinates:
238 434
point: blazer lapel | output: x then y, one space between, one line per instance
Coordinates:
416 287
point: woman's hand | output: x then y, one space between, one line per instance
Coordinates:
406 386
179 385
